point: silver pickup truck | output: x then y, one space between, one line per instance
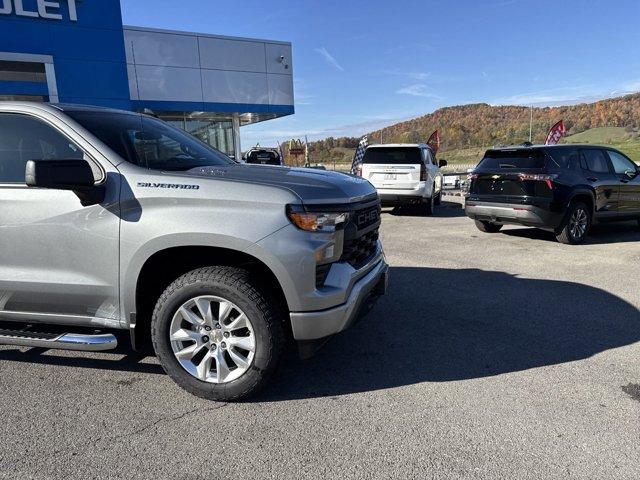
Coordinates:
115 220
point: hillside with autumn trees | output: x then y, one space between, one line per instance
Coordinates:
471 128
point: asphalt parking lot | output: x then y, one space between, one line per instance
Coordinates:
493 356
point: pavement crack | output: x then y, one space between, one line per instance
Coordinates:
144 428
162 420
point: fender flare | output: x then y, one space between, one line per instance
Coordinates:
131 272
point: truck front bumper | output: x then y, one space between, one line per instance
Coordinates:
317 325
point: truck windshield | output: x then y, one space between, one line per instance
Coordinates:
512 159
393 155
149 142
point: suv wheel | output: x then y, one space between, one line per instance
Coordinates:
429 205
438 199
216 335
488 227
576 225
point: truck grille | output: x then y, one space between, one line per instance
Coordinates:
358 251
361 236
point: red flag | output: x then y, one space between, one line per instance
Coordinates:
556 133
434 141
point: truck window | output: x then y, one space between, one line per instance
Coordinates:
149 142
24 138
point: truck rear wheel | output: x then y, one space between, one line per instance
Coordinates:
216 335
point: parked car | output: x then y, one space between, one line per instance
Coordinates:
451 181
263 156
563 188
404 175
116 220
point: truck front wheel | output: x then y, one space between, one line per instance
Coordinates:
216 334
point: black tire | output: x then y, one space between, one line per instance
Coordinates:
567 233
488 227
237 286
438 199
429 206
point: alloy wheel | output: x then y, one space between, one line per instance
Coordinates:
212 339
578 223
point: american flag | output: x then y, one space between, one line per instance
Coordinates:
359 155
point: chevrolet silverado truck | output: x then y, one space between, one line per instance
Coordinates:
112 220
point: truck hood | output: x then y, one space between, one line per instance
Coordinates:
311 186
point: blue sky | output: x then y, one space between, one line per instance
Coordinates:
360 65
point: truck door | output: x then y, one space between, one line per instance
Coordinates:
58 259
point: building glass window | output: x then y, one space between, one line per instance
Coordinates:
22 72
23 98
217 132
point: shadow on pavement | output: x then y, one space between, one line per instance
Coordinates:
441 325
122 359
435 325
444 210
622 232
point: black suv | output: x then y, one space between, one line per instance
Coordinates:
563 188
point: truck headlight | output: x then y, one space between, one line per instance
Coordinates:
316 221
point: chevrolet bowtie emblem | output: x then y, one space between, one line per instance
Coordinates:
495 177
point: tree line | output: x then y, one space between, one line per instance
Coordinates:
477 125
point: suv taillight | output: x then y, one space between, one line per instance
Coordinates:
539 177
423 172
358 170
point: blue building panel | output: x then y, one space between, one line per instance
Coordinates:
101 45
99 80
88 54
23 88
84 48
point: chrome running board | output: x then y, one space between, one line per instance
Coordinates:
56 341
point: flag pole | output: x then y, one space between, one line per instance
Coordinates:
530 123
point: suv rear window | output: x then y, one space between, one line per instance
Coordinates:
393 155
512 159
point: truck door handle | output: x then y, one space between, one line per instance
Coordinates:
592 179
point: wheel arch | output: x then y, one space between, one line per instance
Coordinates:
586 195
166 264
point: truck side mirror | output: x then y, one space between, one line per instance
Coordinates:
442 163
59 174
74 175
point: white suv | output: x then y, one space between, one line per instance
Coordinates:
404 174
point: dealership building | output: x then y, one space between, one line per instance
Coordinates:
78 51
